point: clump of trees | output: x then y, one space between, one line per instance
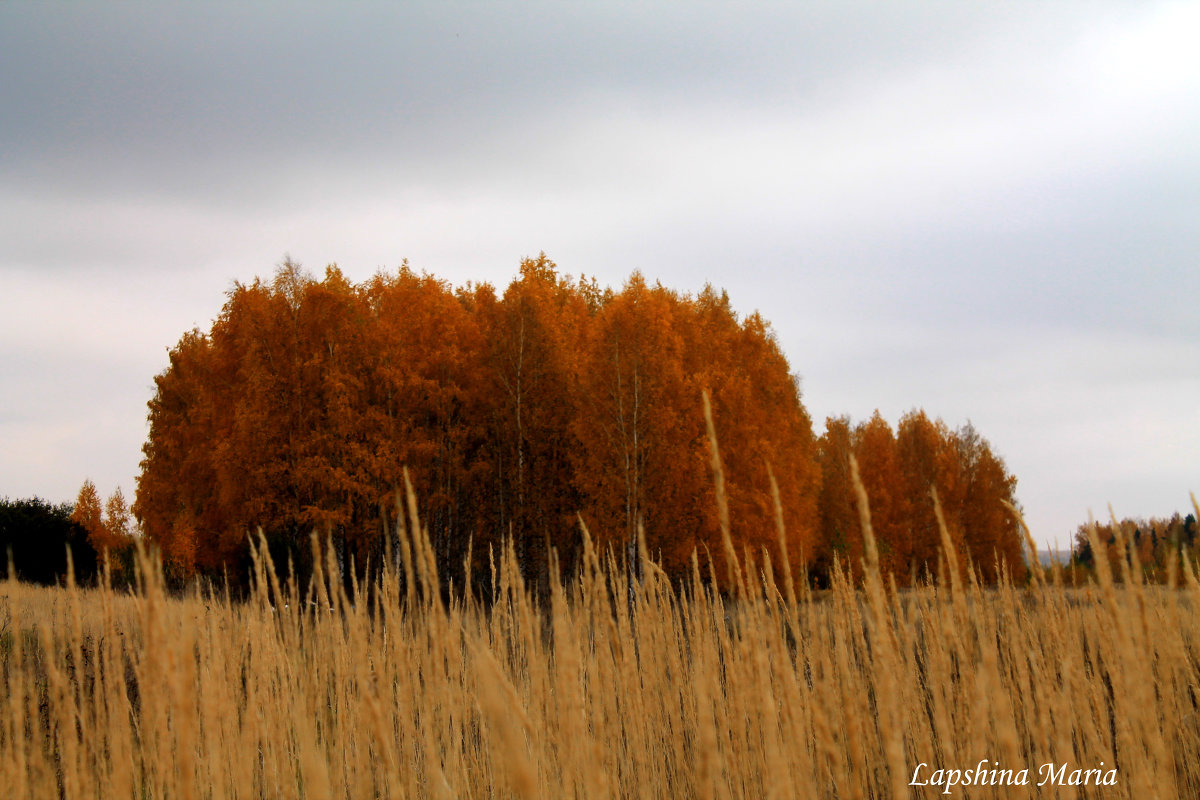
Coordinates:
34 539
110 530
1150 548
518 415
901 470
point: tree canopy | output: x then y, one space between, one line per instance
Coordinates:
517 415
898 470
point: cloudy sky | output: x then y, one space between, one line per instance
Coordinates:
991 211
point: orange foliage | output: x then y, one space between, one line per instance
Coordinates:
110 529
88 514
899 471
515 414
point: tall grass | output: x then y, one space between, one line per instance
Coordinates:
387 691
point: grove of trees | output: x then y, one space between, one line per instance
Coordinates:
520 414
898 470
1150 548
35 536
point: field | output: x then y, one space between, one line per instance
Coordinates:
599 691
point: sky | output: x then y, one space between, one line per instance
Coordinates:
990 211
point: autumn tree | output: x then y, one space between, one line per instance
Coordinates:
929 460
841 535
225 429
993 538
761 427
118 521
1153 547
879 467
765 429
427 405
111 530
534 332
635 398
88 514
177 489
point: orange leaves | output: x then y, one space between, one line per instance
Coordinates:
118 522
300 408
649 355
928 457
634 392
875 448
88 514
111 529
898 472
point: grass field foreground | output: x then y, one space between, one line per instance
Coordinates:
599 691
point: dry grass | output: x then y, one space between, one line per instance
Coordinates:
674 695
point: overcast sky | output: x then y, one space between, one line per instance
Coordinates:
989 211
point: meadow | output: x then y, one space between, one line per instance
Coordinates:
607 687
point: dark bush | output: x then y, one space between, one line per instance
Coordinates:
35 535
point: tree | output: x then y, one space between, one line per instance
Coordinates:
648 356
634 397
534 332
1155 542
87 514
928 459
992 535
898 472
177 488
118 522
428 406
772 429
760 423
841 534
879 467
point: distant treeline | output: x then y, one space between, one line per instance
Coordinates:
522 415
1150 549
